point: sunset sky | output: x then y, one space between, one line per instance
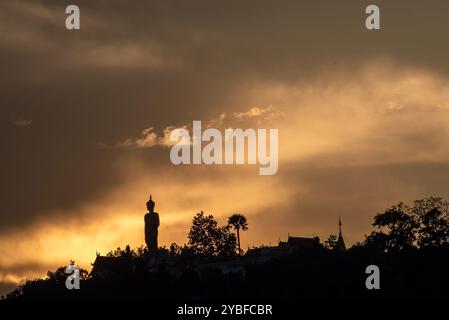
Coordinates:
363 119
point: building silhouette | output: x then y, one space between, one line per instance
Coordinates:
105 266
340 242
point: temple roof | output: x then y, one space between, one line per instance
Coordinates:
301 242
107 264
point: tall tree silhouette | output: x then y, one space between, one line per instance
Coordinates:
206 237
433 216
238 221
424 224
400 226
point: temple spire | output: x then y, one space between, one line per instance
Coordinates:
339 224
340 242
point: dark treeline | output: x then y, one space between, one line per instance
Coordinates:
409 244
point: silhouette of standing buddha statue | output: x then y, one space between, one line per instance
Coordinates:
151 227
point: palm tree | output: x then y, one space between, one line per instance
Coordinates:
238 221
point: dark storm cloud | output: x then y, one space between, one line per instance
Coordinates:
144 64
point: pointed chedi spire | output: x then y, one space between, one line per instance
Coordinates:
340 242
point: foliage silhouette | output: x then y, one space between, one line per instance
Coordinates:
331 242
401 227
207 238
238 222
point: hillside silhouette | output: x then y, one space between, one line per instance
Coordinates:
409 244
